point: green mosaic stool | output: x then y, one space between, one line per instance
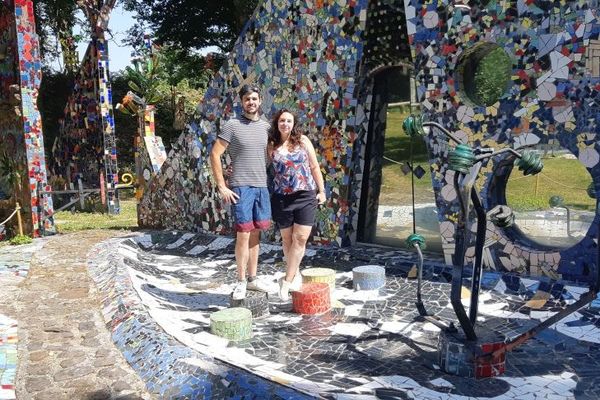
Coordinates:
255 301
232 323
320 275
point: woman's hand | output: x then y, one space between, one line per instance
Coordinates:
321 198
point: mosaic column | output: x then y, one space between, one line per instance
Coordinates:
22 132
111 175
86 147
150 152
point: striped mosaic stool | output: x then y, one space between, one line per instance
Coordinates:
313 298
368 277
323 275
255 301
232 323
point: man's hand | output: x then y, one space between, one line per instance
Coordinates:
228 195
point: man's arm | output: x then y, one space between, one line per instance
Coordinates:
217 151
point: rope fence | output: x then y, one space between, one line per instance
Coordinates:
19 221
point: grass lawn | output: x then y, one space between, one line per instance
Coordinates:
67 221
561 176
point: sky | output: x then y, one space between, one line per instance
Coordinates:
119 53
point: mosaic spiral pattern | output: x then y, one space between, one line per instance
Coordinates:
552 96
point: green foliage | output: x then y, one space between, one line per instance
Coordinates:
191 24
176 74
67 221
53 95
20 239
11 173
484 73
492 76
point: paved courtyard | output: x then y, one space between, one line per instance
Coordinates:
148 297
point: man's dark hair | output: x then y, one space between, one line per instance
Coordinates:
247 88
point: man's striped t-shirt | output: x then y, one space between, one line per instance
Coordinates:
248 150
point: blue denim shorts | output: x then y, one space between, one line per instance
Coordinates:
253 208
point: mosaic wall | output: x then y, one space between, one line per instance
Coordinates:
24 133
86 145
323 60
306 56
551 95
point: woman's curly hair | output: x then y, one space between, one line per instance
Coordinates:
275 135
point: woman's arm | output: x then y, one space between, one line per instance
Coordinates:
315 169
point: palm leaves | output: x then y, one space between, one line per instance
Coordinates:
144 80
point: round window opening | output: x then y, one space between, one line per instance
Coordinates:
484 74
553 208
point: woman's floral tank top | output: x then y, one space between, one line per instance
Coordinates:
292 171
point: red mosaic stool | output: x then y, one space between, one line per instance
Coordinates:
312 298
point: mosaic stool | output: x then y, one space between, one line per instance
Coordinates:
323 275
368 277
313 298
458 356
232 323
255 301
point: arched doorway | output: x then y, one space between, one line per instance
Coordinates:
390 184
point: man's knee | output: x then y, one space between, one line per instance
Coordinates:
242 238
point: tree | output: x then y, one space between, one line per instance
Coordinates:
56 18
192 24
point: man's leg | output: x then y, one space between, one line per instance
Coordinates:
242 254
253 250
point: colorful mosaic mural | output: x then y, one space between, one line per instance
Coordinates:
86 146
22 124
322 59
551 94
306 56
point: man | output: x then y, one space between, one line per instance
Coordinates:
246 139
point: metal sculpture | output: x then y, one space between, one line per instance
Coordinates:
466 163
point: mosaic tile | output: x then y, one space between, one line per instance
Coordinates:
369 345
85 147
21 129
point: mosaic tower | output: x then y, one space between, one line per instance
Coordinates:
85 148
21 137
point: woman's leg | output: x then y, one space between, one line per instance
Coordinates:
299 236
286 241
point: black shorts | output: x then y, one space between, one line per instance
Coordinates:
295 208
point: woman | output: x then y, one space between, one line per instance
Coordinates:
297 189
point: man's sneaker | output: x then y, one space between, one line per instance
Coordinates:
296 282
284 289
239 291
258 285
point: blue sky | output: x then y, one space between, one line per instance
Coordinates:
119 53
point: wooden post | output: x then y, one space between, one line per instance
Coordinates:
80 188
19 222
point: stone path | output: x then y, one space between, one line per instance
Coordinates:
65 350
